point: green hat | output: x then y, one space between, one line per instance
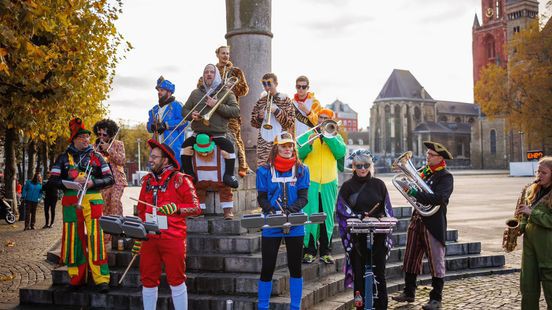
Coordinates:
204 144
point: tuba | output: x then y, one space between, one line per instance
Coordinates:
410 178
513 229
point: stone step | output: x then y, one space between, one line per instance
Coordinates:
344 300
326 293
246 283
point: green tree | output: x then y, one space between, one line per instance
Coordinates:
57 61
522 92
129 136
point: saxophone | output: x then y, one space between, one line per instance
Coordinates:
513 229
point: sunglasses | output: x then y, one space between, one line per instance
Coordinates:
301 86
362 166
103 135
266 83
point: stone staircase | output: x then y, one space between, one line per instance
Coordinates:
224 263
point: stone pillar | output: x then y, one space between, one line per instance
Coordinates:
250 40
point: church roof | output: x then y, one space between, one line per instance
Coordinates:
461 108
339 107
446 128
401 84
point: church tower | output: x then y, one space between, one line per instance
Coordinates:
502 19
488 38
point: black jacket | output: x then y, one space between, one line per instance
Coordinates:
441 183
101 176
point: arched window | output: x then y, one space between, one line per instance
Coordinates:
458 120
417 114
471 120
490 47
442 119
493 141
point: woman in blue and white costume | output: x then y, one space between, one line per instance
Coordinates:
282 185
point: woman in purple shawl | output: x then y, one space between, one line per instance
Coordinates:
364 195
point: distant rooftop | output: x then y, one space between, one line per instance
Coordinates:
401 84
340 107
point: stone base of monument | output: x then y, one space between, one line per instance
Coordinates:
224 262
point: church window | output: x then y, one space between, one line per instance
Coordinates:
442 119
458 120
493 141
471 120
417 114
490 47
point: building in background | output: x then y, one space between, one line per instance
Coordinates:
494 145
345 114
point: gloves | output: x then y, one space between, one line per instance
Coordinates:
136 247
168 209
161 127
293 208
412 191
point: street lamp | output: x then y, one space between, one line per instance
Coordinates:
139 155
521 143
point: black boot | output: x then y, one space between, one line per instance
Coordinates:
229 178
437 291
409 292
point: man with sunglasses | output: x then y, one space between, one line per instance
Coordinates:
81 164
427 234
272 114
322 155
228 70
306 106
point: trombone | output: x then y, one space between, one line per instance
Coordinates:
269 99
328 129
234 80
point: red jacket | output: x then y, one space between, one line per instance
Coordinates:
172 187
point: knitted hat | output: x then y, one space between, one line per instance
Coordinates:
76 126
204 144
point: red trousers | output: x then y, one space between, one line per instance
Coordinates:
169 252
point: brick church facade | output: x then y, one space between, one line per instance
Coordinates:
494 145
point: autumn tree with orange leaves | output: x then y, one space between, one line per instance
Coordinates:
57 61
522 92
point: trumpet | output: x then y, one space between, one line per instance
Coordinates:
269 99
328 129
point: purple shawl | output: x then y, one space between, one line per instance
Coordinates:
345 212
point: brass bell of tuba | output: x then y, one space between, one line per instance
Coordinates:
409 177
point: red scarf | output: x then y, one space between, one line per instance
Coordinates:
284 164
296 98
429 170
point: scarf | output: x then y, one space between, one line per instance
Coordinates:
159 175
296 98
165 100
428 170
216 82
284 164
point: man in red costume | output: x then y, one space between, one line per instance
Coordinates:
174 194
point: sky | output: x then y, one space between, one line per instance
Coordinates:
347 48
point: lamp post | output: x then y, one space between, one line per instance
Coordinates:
139 155
521 143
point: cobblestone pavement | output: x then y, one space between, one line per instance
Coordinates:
489 292
23 255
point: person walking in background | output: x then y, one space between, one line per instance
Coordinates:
32 191
50 200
